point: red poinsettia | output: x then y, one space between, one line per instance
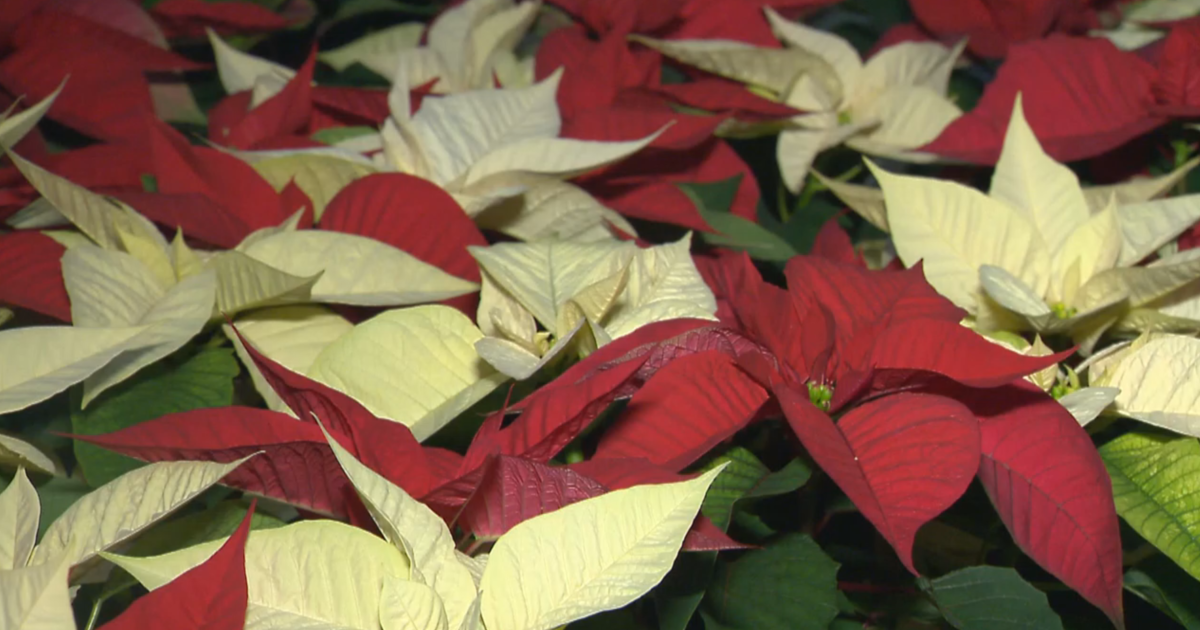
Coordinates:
993 26
1177 84
288 119
212 196
922 405
687 19
31 274
189 18
1082 97
610 92
107 47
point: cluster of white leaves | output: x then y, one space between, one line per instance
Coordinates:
1039 252
890 105
485 146
467 47
1157 378
1136 27
581 293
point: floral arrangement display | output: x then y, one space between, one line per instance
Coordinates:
591 314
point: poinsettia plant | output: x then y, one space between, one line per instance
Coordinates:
523 315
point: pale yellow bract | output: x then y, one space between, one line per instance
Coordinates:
1037 251
1158 381
605 288
890 105
34 579
416 366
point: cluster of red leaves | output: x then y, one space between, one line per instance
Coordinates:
113 51
1083 97
994 26
288 119
613 92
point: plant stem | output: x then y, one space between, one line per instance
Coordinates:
92 618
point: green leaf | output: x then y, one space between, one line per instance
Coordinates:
1166 587
991 598
789 585
805 223
681 591
149 183
747 477
739 477
1156 486
56 495
713 201
334 135
790 478
203 380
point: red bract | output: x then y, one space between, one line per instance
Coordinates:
514 490
623 16
833 243
551 418
1177 86
212 595
395 208
686 19
189 18
102 168
1082 97
108 93
992 26
296 464
690 406
902 459
213 196
387 447
1050 488
31 274
614 96
286 113
286 120
719 95
644 185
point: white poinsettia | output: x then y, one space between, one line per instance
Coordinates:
470 46
890 105
1157 379
1136 27
129 305
484 146
376 361
1035 252
554 210
612 288
467 47
550 570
